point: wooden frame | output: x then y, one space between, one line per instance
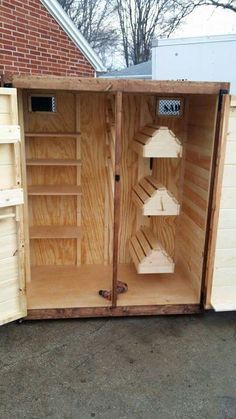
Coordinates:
120 88
125 86
75 312
215 195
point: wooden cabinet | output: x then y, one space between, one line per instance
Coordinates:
101 188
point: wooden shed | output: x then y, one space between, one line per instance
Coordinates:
104 181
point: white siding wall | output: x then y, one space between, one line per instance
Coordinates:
210 58
224 276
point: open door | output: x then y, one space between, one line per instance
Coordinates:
12 257
222 261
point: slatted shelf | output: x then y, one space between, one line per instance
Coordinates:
54 232
148 255
53 162
54 190
157 141
153 198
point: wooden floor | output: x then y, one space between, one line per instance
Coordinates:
66 287
154 289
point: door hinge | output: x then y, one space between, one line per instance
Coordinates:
222 92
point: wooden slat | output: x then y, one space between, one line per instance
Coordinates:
54 232
54 190
52 134
144 243
147 186
9 134
9 197
150 237
133 255
142 138
137 200
141 193
227 218
138 249
155 183
53 162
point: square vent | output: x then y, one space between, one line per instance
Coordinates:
170 107
42 103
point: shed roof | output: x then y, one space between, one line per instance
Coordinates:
138 71
73 33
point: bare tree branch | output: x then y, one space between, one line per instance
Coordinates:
227 5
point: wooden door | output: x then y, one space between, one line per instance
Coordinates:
12 255
221 278
223 297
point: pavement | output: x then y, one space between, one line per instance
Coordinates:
173 367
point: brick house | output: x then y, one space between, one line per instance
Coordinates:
38 37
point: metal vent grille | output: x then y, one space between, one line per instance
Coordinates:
170 107
42 103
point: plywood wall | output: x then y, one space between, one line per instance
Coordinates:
190 235
93 155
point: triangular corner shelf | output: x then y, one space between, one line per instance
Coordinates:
153 198
155 141
148 255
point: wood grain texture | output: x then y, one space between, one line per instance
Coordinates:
52 252
222 250
74 312
137 111
68 286
93 156
117 193
48 183
12 240
53 162
54 232
196 183
108 85
109 180
50 287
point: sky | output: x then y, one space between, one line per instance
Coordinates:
207 20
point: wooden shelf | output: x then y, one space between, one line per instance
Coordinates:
53 162
148 255
54 190
155 141
153 198
54 232
52 134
